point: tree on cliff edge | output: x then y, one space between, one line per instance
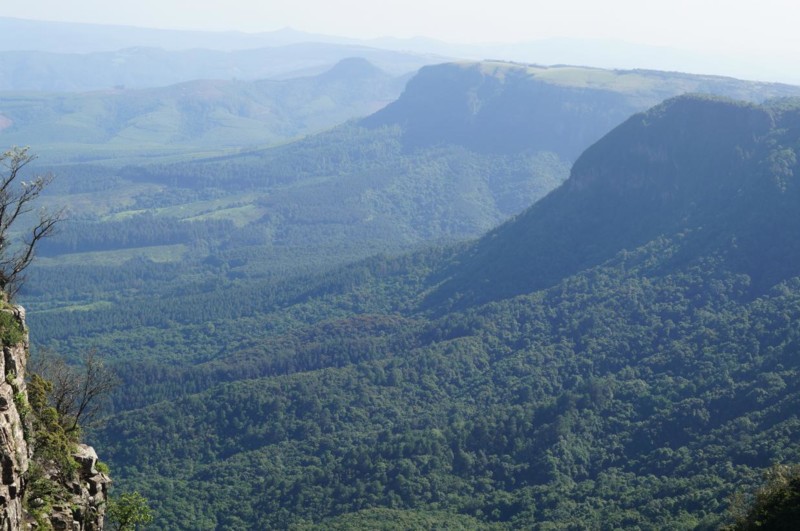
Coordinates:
16 198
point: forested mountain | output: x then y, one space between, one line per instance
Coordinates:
622 354
501 107
171 234
725 186
435 166
195 115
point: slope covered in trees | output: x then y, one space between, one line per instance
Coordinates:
636 375
718 172
359 189
499 107
118 124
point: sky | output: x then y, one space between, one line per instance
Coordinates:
708 25
744 39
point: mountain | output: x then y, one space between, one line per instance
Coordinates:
72 37
711 166
145 67
627 358
195 115
419 172
505 107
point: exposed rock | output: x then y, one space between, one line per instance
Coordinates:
86 457
84 506
15 453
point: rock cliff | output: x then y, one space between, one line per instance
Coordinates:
80 503
15 453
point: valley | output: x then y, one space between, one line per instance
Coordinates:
382 287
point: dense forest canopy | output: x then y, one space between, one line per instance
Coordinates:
549 374
308 336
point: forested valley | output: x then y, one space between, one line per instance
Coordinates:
516 297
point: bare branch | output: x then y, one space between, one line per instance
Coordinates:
79 391
16 198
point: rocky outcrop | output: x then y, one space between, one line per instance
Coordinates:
82 506
15 453
89 494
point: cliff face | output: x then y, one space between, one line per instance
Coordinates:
82 506
15 453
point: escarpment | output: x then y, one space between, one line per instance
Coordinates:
38 490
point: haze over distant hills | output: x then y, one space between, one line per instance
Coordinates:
463 148
71 37
142 67
65 38
197 115
494 106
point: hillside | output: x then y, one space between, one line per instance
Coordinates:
713 167
638 382
236 221
138 66
174 234
202 115
502 107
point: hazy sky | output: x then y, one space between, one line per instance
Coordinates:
709 25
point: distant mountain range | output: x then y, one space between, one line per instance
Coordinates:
143 67
198 115
486 107
72 38
77 38
466 146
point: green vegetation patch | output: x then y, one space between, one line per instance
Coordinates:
11 331
399 520
156 253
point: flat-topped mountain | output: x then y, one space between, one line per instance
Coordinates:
719 173
507 107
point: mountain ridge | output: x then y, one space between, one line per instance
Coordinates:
702 154
198 114
502 107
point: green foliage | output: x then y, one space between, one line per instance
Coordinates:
11 331
618 396
103 468
621 355
397 520
41 494
128 512
52 466
51 442
775 505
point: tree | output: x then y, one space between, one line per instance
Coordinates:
127 512
776 505
77 392
16 198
